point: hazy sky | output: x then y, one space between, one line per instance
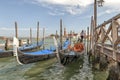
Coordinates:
76 15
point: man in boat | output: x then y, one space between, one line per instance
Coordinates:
78 39
66 43
78 47
82 35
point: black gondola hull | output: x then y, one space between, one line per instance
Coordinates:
26 58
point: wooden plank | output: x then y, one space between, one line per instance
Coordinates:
16 30
91 33
43 38
61 34
110 20
107 35
114 31
102 34
37 32
30 35
98 32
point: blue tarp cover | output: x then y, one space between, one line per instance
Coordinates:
31 45
66 44
1 50
41 52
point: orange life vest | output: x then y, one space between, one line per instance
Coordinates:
78 47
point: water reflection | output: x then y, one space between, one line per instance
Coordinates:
45 70
85 73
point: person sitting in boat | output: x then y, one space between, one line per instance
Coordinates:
82 35
78 47
78 39
66 44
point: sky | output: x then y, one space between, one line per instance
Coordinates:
75 14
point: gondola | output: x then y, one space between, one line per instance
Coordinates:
31 47
67 55
31 57
25 48
4 53
70 56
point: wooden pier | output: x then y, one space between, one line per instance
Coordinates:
105 43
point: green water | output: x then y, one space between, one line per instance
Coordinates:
49 69
45 70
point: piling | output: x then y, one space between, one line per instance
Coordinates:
6 44
61 34
20 42
70 37
37 32
56 35
87 39
43 38
30 35
16 30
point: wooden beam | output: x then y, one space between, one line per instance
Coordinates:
107 35
61 34
91 32
30 35
87 39
98 34
114 31
43 38
16 30
37 32
109 21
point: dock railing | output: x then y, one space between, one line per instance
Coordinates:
106 38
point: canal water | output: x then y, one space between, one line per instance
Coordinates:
46 70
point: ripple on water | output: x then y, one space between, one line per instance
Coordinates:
85 73
11 70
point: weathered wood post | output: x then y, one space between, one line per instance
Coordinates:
70 37
56 35
91 40
16 34
114 37
87 39
16 30
6 44
114 72
94 45
43 38
28 41
61 34
30 35
91 34
37 32
101 58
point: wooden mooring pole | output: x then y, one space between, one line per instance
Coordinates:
37 32
56 35
70 37
61 39
43 38
16 34
16 30
30 35
87 39
6 44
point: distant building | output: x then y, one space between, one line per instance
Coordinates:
73 35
